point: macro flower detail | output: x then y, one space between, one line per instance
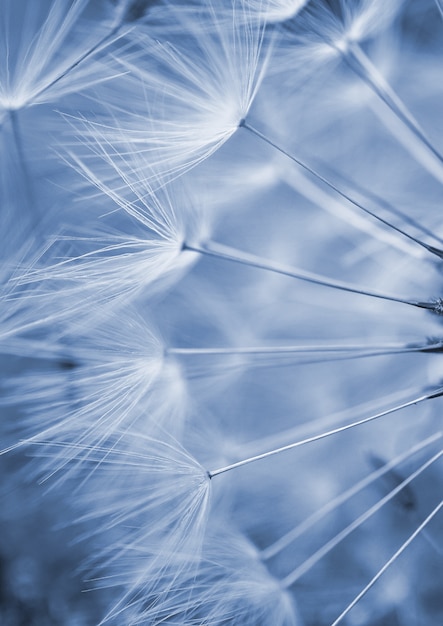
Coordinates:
221 312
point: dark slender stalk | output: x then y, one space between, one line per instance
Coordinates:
331 185
362 67
231 254
372 197
329 433
282 356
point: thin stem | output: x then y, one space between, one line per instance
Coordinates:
361 349
388 207
289 356
289 580
305 429
334 431
388 563
331 185
311 190
362 66
232 254
259 350
286 540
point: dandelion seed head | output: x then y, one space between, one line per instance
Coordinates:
155 487
144 257
367 18
189 90
122 378
341 21
233 581
229 583
325 31
50 36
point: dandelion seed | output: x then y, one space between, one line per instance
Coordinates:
49 49
187 101
109 408
115 267
341 27
121 142
230 583
121 378
155 488
35 67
